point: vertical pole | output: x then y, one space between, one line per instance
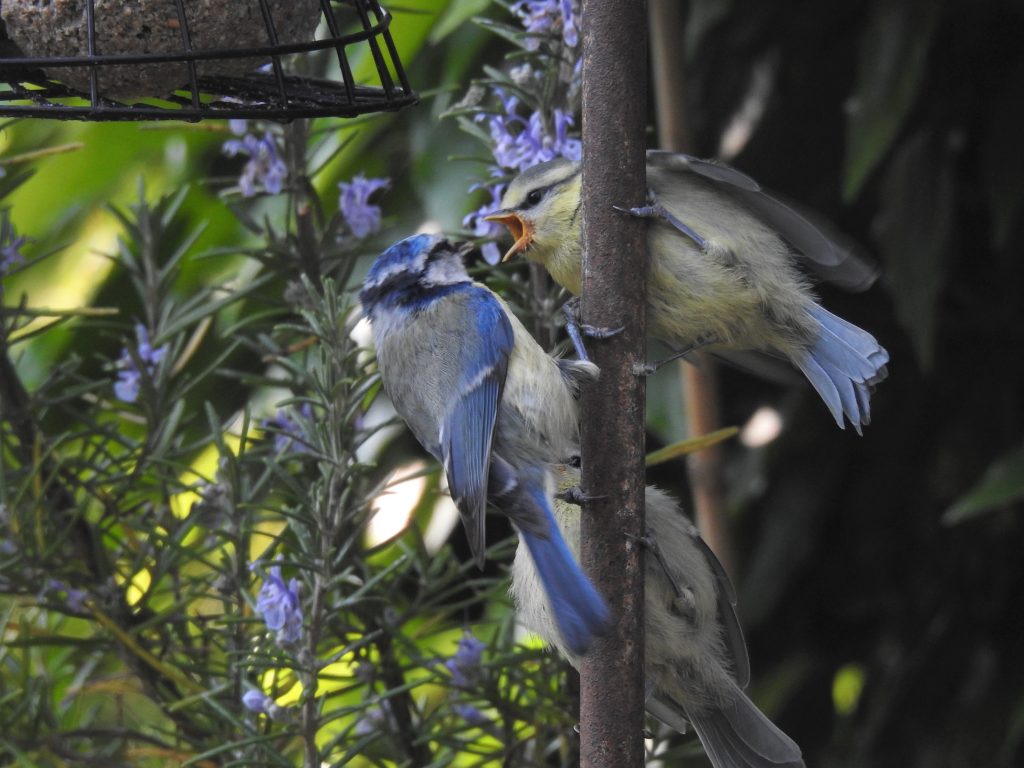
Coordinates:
614 296
700 382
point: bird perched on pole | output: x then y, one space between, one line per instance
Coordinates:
487 402
694 654
723 269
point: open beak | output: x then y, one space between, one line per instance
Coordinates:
520 230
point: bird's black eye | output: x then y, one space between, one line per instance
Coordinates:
535 197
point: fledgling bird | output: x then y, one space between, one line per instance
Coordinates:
695 657
487 402
723 269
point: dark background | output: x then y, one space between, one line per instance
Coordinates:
900 121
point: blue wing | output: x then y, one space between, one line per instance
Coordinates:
468 429
576 606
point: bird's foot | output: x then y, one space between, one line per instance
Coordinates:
577 497
704 340
577 329
650 543
655 210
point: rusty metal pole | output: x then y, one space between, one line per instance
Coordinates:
613 296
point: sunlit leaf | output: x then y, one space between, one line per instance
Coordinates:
691 445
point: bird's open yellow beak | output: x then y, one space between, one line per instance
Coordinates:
520 230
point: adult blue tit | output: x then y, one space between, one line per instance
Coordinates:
487 402
723 269
695 656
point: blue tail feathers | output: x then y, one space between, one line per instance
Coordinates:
578 609
843 365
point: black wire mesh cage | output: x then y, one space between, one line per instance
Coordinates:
196 59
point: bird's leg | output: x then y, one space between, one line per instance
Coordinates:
655 210
575 496
651 544
576 329
705 339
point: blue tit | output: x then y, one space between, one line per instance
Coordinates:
695 656
487 402
723 269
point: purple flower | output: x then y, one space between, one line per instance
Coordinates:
10 252
475 219
374 719
279 606
257 701
519 143
471 714
264 166
547 18
287 430
74 599
363 218
129 375
464 666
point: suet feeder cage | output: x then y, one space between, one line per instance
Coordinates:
197 59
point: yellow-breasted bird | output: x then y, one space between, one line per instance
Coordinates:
724 269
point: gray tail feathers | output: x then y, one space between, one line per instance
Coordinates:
843 364
738 735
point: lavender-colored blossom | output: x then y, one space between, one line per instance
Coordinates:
10 252
362 218
519 143
288 432
280 607
464 666
547 18
522 142
375 718
471 714
264 166
129 375
257 701
569 31
475 219
74 599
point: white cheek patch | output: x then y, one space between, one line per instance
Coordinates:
445 271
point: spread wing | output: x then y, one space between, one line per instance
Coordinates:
831 255
468 429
